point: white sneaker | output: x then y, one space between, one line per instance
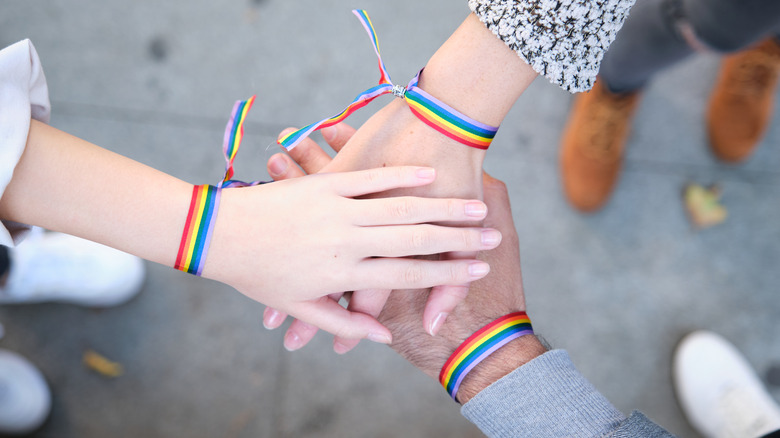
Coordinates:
25 400
719 391
64 268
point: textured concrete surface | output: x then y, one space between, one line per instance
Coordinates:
156 81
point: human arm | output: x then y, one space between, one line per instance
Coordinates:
394 135
558 32
549 397
67 184
520 390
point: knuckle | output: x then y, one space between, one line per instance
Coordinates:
413 274
469 238
303 153
457 272
495 185
421 238
453 209
374 175
305 329
402 208
459 292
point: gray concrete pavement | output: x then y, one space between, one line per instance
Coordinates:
156 81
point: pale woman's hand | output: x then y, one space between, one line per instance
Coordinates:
292 243
312 159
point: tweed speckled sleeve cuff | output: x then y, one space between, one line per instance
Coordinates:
563 40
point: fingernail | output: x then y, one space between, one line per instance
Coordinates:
277 166
292 341
491 237
479 269
329 133
340 348
476 209
272 319
437 323
380 338
426 173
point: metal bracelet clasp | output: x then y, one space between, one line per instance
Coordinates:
399 91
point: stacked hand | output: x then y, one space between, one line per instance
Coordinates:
342 243
393 136
498 294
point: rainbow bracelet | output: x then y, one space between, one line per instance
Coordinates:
204 204
198 229
427 108
481 345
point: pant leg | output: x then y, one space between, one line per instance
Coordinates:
650 39
5 260
775 434
731 25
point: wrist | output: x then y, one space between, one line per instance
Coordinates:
458 167
226 240
484 91
505 360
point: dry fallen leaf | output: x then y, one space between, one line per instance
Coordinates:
703 205
98 363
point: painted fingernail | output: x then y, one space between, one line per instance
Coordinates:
272 319
292 341
476 209
479 269
277 166
426 173
340 348
491 237
437 323
380 338
329 133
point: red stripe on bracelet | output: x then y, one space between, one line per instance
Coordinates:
479 346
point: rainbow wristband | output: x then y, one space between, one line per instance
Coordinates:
204 205
198 229
441 117
427 108
481 345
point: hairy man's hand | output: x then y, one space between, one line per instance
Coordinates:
498 294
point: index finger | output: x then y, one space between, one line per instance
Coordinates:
308 154
338 135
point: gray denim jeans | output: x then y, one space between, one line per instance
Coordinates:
652 37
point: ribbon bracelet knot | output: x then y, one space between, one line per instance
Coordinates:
427 108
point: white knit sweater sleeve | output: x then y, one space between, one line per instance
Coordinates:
23 95
563 40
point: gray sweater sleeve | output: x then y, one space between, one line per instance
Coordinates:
563 40
548 397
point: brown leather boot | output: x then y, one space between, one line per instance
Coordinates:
593 144
741 104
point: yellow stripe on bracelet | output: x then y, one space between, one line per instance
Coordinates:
204 204
480 345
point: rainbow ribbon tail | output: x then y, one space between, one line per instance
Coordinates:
234 133
428 109
385 87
